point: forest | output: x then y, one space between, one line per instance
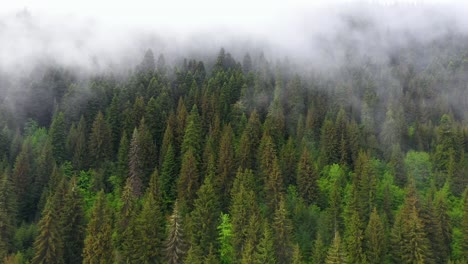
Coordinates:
239 160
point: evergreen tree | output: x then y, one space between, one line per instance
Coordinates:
135 165
175 243
7 215
123 159
282 228
226 250
192 136
336 253
48 246
150 224
72 224
375 239
319 251
204 218
249 141
168 179
57 136
100 145
98 243
307 178
265 249
464 225
226 165
189 180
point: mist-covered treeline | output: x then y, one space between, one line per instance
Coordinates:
226 160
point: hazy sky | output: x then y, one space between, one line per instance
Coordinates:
86 31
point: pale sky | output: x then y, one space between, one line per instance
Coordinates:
178 12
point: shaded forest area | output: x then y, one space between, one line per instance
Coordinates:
239 162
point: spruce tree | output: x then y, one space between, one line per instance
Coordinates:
375 239
226 251
265 253
57 136
48 246
282 228
189 180
176 246
204 218
307 177
100 144
98 243
135 165
226 165
168 179
150 224
7 215
72 223
336 253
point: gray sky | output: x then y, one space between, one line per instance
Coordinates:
114 31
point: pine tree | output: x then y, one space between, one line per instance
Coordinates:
336 253
288 162
226 250
204 218
135 165
249 141
57 136
265 253
100 145
375 239
175 243
168 179
21 179
319 251
243 207
146 152
98 243
282 228
192 134
296 255
464 225
150 227
189 180
354 239
122 159
126 225
7 215
72 223
226 165
48 246
307 178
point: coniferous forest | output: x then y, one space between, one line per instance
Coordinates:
239 160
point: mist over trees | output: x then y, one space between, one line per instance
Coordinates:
243 157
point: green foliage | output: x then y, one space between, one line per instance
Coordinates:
226 250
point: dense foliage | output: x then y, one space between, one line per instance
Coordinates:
239 163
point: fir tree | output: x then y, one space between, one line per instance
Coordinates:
336 253
176 247
282 227
100 145
307 178
98 243
48 246
204 218
375 239
150 224
7 215
265 253
72 223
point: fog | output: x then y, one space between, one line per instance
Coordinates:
319 34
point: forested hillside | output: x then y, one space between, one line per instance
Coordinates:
239 160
